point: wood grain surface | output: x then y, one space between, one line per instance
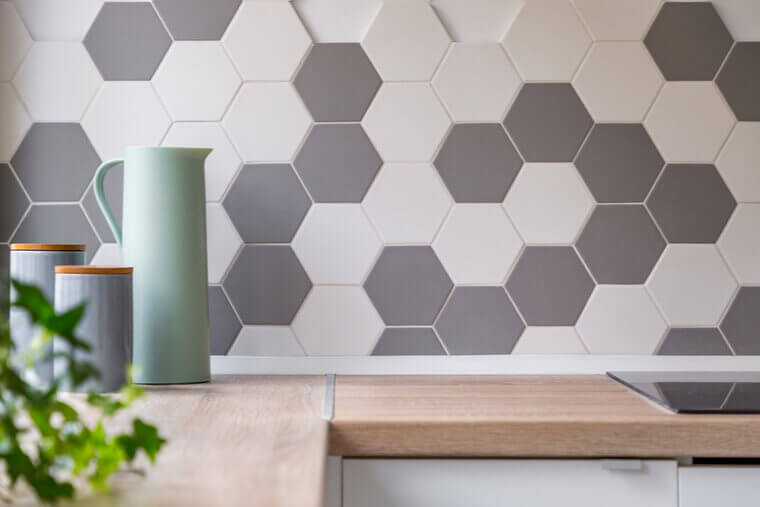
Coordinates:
522 416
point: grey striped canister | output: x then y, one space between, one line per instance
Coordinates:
107 322
34 264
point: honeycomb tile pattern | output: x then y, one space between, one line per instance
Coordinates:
414 177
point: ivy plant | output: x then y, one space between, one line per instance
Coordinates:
44 440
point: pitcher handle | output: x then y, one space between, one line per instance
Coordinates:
100 196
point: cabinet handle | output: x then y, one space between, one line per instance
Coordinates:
622 465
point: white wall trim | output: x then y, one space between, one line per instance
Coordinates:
473 365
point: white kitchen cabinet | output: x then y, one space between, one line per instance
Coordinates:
509 482
710 486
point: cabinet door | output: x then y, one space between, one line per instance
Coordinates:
708 486
518 483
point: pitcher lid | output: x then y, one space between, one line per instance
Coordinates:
94 270
48 247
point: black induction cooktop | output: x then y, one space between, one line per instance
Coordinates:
697 392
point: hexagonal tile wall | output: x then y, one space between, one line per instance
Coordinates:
549 286
266 284
741 18
196 81
51 20
738 161
14 41
477 20
4 261
267 203
68 66
740 244
615 178
689 122
739 80
221 164
337 82
476 82
337 163
406 122
266 121
345 315
336 244
742 320
125 114
15 122
256 30
620 244
407 203
223 323
692 285
548 203
539 339
222 241
270 341
408 341
477 244
406 41
694 341
197 19
621 320
60 223
479 320
618 81
13 202
408 285
547 40
691 203
55 162
337 20
114 190
127 41
109 254
548 122
617 19
688 41
478 162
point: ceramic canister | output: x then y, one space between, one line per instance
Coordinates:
34 264
107 322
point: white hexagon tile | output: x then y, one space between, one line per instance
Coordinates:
415 177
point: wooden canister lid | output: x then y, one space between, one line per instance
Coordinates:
94 270
47 247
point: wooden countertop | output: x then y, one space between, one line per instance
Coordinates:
522 416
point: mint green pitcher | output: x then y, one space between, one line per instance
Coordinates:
164 240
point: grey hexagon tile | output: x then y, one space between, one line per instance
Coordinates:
59 223
742 321
267 284
267 203
55 162
223 323
197 19
478 162
619 162
739 80
270 341
337 163
4 271
694 341
620 244
550 286
408 341
479 320
691 203
408 285
548 122
127 41
114 189
13 202
688 41
337 82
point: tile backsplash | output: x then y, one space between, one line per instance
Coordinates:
415 177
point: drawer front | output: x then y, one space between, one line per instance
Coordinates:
519 483
708 486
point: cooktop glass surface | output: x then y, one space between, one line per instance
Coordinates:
697 392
